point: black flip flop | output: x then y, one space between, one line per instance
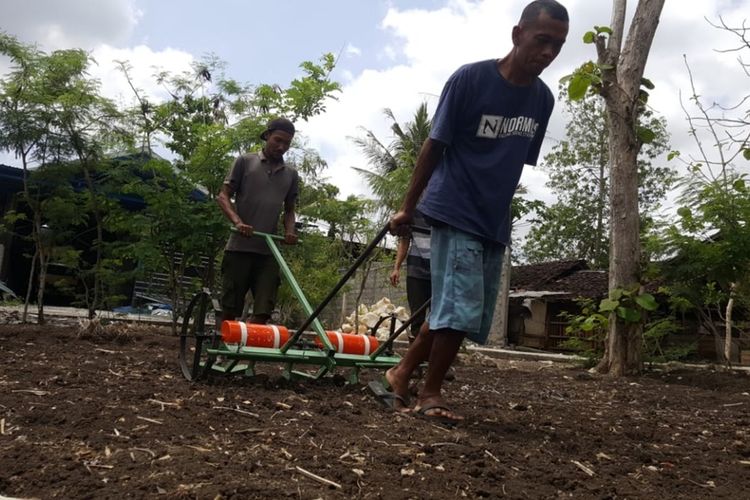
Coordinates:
386 397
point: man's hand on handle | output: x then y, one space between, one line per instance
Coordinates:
244 229
290 239
400 223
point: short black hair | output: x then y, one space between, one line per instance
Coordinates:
554 9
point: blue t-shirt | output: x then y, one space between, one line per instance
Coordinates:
491 129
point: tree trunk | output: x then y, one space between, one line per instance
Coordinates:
622 348
27 197
728 325
97 285
621 84
42 247
601 202
29 285
43 266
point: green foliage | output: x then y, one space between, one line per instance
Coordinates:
306 96
589 76
316 265
657 347
208 121
710 239
586 76
630 306
52 114
54 118
661 341
586 331
577 224
645 135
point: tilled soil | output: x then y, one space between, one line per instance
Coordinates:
110 416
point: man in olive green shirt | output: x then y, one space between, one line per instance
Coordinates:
261 184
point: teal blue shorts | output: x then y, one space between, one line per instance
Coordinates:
465 279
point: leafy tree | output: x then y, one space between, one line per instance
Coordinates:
618 76
349 226
710 241
24 130
52 113
207 122
577 225
88 125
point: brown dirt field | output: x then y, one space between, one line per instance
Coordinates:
105 417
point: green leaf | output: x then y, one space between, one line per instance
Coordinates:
672 155
589 37
616 294
605 67
628 314
647 83
647 302
685 213
603 29
739 185
578 86
608 305
645 135
746 154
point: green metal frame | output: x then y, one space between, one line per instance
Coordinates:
226 359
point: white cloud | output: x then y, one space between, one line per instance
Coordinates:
55 24
352 51
422 49
430 45
102 29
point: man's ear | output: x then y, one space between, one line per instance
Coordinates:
516 34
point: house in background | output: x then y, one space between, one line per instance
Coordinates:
540 292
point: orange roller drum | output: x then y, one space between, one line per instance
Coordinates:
253 335
348 343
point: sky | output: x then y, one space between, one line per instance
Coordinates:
391 54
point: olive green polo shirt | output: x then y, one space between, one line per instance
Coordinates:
259 197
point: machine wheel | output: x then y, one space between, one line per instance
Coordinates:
196 337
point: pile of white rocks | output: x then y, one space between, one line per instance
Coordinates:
368 317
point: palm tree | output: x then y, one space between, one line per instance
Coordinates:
392 165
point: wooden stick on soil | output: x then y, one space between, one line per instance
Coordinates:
237 410
152 420
316 477
162 403
585 469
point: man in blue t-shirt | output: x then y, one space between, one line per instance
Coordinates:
489 122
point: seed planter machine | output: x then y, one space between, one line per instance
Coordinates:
235 347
